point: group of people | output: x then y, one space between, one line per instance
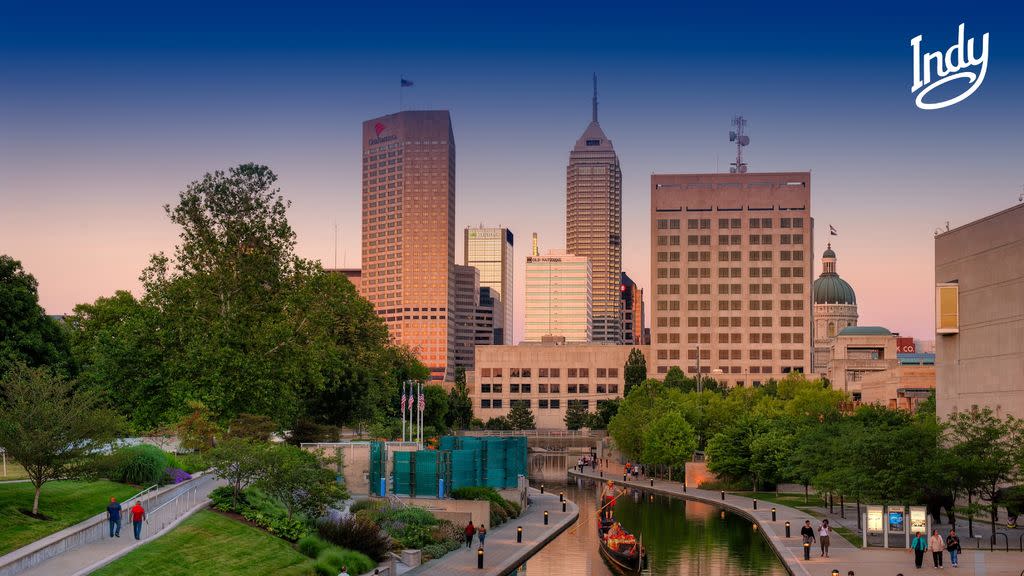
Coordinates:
824 535
937 544
136 512
585 461
633 471
480 532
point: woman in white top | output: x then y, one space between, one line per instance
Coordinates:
823 536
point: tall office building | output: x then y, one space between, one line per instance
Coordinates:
593 228
632 311
731 268
409 231
490 250
473 316
558 298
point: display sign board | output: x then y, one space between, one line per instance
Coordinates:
875 519
905 346
919 519
897 520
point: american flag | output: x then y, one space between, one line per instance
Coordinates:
412 400
403 401
423 403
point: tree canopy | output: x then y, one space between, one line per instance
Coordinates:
27 334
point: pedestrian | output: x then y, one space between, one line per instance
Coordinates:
481 533
593 463
919 545
470 531
114 517
953 545
138 514
807 532
937 543
344 571
824 537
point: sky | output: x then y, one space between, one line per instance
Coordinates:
108 110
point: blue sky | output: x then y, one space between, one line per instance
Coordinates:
107 111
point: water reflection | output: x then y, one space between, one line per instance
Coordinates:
682 538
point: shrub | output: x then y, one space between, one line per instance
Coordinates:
331 560
509 509
360 534
498 514
175 476
142 465
432 551
366 504
281 526
408 515
447 530
312 546
220 498
191 463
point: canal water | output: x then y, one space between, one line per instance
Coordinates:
682 538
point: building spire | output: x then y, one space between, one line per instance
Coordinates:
594 119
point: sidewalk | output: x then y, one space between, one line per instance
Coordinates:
502 554
96 554
844 556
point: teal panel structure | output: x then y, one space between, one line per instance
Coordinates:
403 471
465 468
494 462
377 467
427 464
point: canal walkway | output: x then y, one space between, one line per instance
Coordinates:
843 555
502 554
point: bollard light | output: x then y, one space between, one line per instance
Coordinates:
652 482
755 503
787 529
561 496
722 514
835 573
545 517
723 494
541 488
563 506
684 487
519 534
480 558
807 550
755 527
773 513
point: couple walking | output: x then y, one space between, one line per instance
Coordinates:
938 545
480 532
824 535
137 513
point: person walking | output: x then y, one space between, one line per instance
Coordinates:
824 537
807 532
953 546
114 517
481 533
919 545
937 543
344 571
470 531
138 514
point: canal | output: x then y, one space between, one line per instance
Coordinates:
682 538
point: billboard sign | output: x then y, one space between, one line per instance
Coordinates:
905 346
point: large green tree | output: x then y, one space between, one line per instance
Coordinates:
576 416
50 427
669 441
635 370
27 334
520 417
460 406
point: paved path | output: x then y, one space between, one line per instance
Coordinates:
502 553
843 555
92 556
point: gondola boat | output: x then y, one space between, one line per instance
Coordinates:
622 551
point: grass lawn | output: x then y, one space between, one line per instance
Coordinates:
786 499
210 544
66 503
14 471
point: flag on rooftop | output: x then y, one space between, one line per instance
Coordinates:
406 83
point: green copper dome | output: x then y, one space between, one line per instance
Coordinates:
829 253
829 288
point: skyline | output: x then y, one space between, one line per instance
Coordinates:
94 139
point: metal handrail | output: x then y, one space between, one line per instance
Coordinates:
1021 543
992 540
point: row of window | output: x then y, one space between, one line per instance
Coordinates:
550 372
523 388
730 338
705 223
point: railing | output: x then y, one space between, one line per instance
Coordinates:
181 502
529 433
993 539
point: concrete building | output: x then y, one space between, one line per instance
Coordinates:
491 251
633 324
558 297
731 275
979 276
467 300
547 377
858 351
408 236
593 222
354 275
483 321
904 387
835 308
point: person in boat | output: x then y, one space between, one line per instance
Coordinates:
607 499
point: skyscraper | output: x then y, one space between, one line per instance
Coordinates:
558 298
593 227
731 268
409 231
490 250
472 316
632 311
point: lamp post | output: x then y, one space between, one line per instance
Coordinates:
480 558
773 513
807 550
545 517
787 528
519 533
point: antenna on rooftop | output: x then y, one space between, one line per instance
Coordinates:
741 140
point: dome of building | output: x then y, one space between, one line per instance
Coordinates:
829 288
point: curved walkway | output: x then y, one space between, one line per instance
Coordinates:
844 556
502 553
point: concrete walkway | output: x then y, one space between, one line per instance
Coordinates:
502 554
843 555
95 555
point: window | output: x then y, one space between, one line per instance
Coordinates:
542 372
542 403
542 388
496 403
613 388
518 402
555 403
496 388
603 372
556 388
486 403
602 389
485 372
572 372
556 372
584 372
613 372
513 388
485 388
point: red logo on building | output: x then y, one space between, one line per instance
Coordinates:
378 128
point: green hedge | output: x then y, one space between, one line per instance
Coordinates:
331 560
312 546
141 465
262 510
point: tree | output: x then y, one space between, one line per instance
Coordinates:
984 451
635 370
49 427
635 414
520 417
197 430
769 455
675 378
253 427
498 423
730 452
27 334
239 461
300 480
575 416
670 441
460 405
435 412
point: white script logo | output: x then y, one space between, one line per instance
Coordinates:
957 57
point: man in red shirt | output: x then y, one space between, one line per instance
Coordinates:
138 514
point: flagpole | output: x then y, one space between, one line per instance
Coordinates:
403 410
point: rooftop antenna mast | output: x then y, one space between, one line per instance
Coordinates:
737 135
594 116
